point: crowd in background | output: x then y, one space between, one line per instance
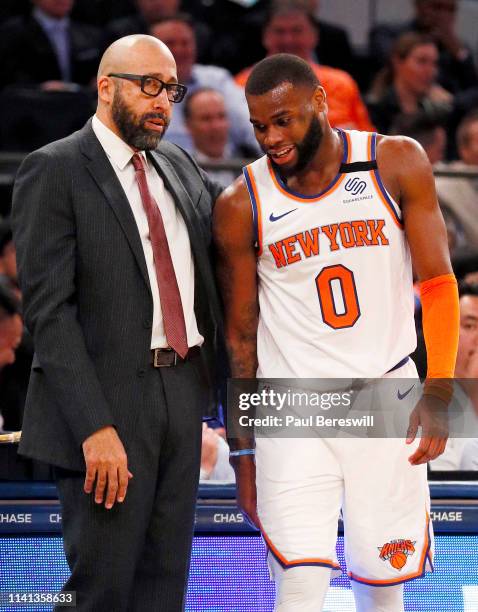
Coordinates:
417 79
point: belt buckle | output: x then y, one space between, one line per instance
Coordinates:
158 352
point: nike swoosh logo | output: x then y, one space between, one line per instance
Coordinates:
276 218
403 395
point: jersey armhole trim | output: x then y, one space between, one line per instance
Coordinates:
256 208
379 186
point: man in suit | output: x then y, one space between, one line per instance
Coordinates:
149 12
48 49
113 234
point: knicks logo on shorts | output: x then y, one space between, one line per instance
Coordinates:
397 552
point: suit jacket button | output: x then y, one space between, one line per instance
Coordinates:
141 373
147 324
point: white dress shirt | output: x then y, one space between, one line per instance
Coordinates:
120 154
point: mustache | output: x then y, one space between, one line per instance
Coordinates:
161 116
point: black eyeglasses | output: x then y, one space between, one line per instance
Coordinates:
153 86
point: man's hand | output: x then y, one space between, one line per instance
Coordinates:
106 462
431 414
245 470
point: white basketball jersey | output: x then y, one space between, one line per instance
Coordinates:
335 276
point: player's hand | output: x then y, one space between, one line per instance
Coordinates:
106 462
431 414
245 470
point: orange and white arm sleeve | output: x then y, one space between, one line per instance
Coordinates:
441 328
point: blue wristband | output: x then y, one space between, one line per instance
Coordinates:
242 451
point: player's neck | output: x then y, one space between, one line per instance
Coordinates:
324 166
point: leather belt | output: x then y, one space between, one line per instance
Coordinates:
166 357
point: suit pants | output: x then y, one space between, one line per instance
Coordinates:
135 557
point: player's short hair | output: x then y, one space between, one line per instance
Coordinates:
277 69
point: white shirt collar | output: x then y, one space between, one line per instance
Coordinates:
116 149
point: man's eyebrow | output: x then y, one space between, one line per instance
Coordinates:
280 113
160 76
276 115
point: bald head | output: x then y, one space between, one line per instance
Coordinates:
125 106
127 54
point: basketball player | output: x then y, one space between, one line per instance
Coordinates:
323 209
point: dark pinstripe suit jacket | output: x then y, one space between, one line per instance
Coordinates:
87 299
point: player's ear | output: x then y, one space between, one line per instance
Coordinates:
320 98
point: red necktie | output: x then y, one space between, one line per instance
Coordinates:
171 306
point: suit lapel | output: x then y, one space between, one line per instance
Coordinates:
186 207
106 179
175 187
182 200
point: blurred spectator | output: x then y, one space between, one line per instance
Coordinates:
461 452
425 129
8 262
467 364
15 373
407 85
465 266
215 457
460 195
430 133
290 28
206 119
152 11
178 34
49 49
467 139
467 357
436 18
333 46
236 25
11 327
